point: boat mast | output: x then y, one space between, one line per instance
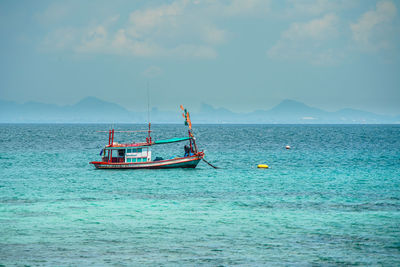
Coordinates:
110 143
192 140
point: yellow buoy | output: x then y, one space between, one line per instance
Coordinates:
264 166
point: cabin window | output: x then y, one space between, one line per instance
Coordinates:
133 150
133 160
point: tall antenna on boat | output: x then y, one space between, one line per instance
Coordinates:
148 113
148 102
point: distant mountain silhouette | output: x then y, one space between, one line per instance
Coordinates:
288 106
92 103
290 111
92 109
89 109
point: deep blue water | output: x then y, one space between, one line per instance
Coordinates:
333 199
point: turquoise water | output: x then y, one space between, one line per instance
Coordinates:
333 199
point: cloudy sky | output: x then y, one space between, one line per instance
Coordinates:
242 55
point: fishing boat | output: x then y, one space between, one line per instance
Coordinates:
138 155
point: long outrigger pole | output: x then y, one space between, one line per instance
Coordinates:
215 167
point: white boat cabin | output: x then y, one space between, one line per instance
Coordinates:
139 154
127 154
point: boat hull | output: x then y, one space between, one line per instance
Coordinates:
185 162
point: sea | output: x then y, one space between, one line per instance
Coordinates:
332 199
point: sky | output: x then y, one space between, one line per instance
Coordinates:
241 55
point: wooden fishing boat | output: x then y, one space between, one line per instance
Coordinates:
138 155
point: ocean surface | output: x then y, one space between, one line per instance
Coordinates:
332 199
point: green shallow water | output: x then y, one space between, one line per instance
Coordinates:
333 199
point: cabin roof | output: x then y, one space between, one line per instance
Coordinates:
158 142
123 146
172 140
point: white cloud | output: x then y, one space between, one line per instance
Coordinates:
167 31
317 29
308 41
94 40
152 20
317 7
373 29
213 35
245 7
182 29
